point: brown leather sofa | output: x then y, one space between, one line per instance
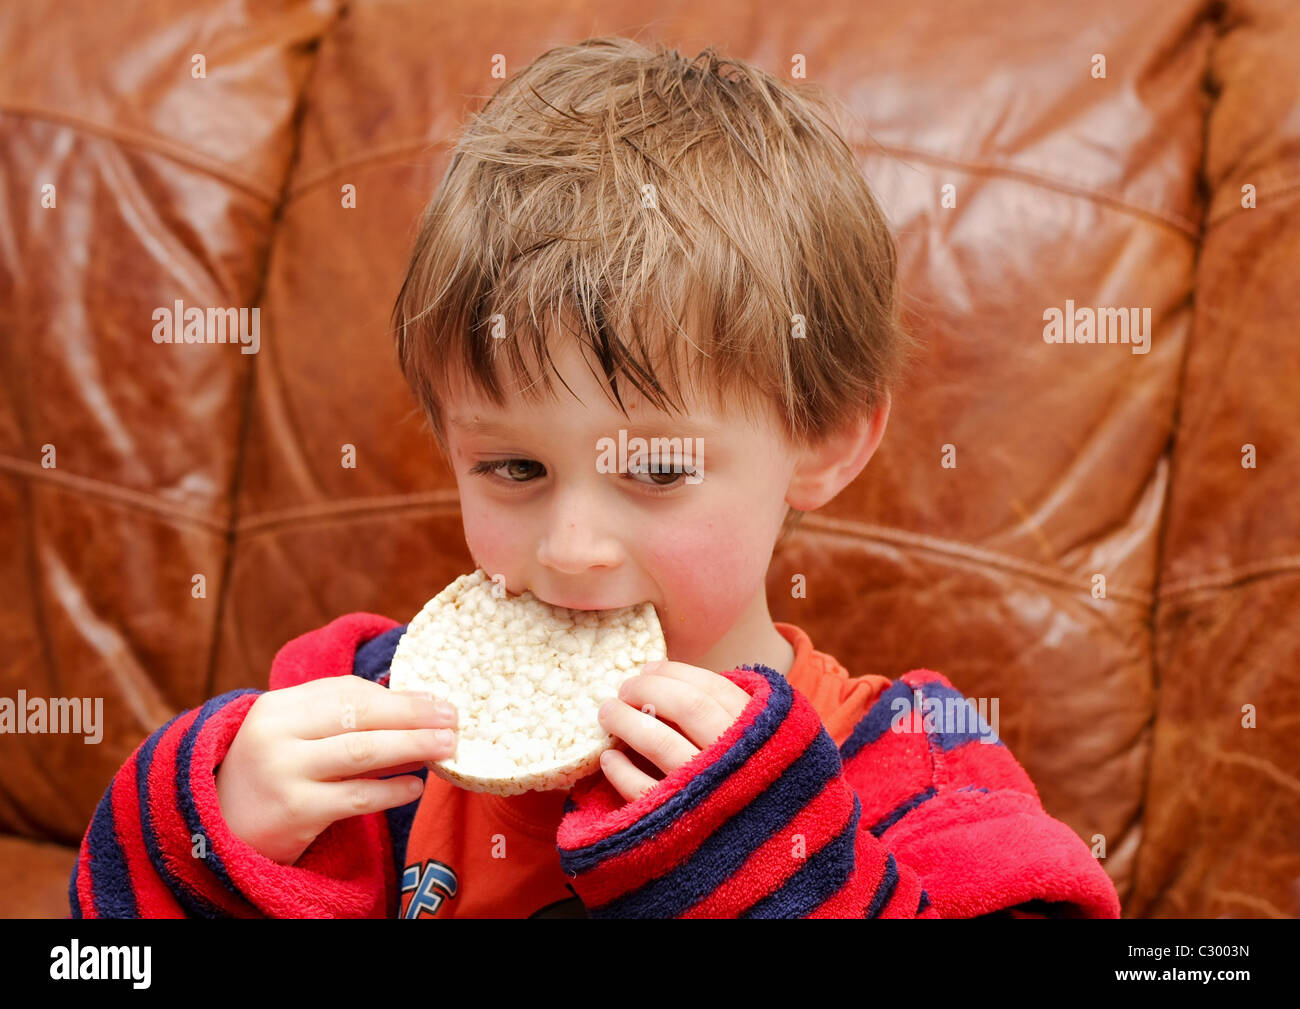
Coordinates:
1157 718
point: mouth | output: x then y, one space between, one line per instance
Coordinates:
584 605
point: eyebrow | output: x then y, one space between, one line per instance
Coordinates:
488 427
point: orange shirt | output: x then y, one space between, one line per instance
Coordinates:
475 855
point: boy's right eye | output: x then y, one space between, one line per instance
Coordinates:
490 466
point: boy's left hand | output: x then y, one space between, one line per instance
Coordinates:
701 703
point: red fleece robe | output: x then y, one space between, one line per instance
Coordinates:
828 797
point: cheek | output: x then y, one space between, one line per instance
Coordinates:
728 537
723 547
709 575
703 553
491 533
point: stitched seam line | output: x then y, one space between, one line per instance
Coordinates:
1230 577
977 555
212 522
147 142
391 151
1179 223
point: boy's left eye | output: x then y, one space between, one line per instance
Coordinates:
673 469
676 471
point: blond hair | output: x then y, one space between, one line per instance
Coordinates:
659 203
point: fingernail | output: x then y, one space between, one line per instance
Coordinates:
443 737
651 667
445 709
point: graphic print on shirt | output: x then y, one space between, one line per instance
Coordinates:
425 887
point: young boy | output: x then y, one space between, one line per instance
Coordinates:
701 232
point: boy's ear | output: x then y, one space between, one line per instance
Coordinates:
828 467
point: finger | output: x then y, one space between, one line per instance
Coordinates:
666 749
336 704
352 753
629 781
733 699
338 800
639 761
385 772
698 714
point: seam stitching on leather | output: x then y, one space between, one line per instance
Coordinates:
1230 577
349 508
145 142
116 493
1285 189
391 151
955 548
1175 221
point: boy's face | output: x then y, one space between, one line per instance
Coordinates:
551 522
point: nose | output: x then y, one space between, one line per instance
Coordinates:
574 539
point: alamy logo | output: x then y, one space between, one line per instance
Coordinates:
949 714
1104 325
664 456
179 324
101 963
76 715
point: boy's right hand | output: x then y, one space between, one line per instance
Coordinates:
311 754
